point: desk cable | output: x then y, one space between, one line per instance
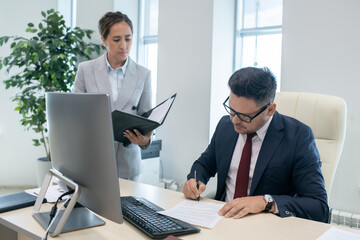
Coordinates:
54 213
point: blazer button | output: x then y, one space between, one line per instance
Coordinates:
287 212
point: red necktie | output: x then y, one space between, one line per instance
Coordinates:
242 178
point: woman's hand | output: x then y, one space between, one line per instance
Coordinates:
137 138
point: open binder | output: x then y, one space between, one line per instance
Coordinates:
145 123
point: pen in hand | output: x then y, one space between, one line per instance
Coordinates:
197 185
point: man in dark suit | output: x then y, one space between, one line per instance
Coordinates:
265 161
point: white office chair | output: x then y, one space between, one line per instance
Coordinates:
326 115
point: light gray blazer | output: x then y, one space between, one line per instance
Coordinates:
134 97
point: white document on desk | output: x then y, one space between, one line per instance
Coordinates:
336 234
199 213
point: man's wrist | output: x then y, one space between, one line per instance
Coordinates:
269 201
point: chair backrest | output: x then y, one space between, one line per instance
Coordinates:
326 115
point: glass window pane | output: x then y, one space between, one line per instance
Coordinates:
263 51
250 10
259 37
151 56
269 54
249 54
270 13
147 46
151 17
262 13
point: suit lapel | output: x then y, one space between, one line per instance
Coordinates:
227 151
227 157
128 86
102 78
272 139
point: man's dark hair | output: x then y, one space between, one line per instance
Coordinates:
258 84
109 19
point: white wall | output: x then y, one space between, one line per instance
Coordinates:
222 58
221 66
89 12
184 67
17 154
321 54
194 60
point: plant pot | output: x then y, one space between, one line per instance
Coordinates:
43 166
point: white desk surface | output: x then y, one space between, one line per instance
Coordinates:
258 226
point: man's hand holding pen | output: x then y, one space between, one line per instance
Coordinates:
192 189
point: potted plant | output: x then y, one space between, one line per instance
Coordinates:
45 62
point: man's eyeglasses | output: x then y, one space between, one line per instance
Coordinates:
241 116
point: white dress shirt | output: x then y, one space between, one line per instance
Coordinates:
116 77
257 141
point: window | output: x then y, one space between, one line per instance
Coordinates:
68 9
259 34
148 41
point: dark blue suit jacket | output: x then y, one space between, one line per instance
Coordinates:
288 167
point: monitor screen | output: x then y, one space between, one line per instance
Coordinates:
82 149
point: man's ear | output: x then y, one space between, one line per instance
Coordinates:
272 109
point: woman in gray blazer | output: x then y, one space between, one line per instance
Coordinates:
127 83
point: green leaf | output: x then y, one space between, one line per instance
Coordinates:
43 13
30 24
36 142
4 40
36 57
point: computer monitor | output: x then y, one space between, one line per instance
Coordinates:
82 149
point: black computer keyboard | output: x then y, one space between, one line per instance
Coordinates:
143 214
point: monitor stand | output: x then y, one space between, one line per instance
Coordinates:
67 220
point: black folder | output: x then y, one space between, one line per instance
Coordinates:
16 201
125 121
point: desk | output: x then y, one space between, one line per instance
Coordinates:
258 226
